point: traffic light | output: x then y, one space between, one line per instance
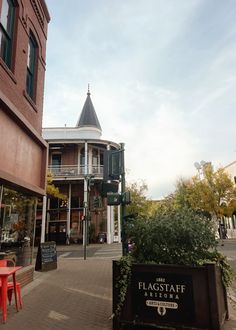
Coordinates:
112 165
96 202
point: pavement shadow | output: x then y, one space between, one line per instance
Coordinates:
231 323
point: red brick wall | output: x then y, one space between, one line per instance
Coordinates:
14 80
23 153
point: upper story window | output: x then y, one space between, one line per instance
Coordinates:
31 67
6 31
56 160
82 157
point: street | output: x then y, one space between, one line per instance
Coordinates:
229 250
98 251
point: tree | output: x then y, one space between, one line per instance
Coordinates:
52 190
214 193
140 205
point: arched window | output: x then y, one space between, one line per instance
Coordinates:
7 19
31 67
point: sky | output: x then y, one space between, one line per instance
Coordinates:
162 77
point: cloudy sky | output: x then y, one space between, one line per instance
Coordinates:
162 76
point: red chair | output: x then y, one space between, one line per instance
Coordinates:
10 285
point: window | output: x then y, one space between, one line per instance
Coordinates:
31 67
82 161
6 30
56 163
56 160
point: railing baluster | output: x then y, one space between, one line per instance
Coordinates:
74 171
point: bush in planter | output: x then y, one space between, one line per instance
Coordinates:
179 237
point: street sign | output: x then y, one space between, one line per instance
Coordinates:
126 197
113 199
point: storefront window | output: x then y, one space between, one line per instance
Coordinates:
17 220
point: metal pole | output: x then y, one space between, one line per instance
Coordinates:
85 215
123 206
68 216
85 198
44 215
85 233
34 229
88 209
108 215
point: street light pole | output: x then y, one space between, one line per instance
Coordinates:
87 182
123 206
85 216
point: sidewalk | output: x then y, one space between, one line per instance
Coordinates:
77 295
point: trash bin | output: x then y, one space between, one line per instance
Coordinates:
101 238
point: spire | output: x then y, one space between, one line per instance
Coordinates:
88 117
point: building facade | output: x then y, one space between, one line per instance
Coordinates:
76 161
23 152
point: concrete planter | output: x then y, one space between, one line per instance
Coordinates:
172 297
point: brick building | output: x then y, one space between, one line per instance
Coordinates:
23 152
76 160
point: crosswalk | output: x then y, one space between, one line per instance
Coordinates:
98 251
109 251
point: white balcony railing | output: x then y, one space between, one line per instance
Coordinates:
75 171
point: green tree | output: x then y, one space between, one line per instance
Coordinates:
213 193
179 236
140 205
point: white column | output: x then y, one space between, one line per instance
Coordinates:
79 165
108 224
90 161
44 212
112 224
69 211
119 227
85 189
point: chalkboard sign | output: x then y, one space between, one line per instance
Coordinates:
46 256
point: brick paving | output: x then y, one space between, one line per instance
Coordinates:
77 295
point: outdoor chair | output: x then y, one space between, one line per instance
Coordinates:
10 285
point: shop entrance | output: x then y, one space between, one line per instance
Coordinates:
57 232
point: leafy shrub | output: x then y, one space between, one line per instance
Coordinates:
179 237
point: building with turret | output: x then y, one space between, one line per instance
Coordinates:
76 161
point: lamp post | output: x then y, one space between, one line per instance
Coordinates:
123 205
87 182
201 167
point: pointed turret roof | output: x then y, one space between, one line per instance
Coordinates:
88 117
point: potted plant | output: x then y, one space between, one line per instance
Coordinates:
174 276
